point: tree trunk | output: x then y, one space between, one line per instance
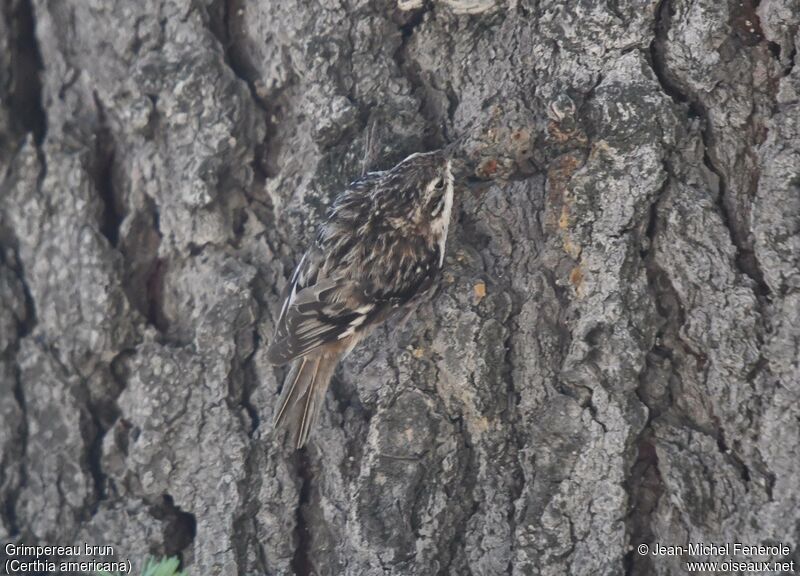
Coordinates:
613 354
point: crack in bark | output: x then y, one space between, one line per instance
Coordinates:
94 455
745 22
645 485
301 561
27 117
250 383
517 483
26 106
420 88
233 54
643 482
143 281
104 413
732 457
792 60
470 482
745 260
25 100
179 527
237 59
102 172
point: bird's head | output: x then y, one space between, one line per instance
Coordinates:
422 186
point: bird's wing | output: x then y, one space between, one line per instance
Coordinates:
317 311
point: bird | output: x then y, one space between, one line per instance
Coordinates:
377 254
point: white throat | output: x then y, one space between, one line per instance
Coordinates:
442 223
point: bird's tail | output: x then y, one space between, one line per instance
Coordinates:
303 394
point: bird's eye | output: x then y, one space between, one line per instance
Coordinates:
439 184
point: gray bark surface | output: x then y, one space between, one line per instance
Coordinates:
613 354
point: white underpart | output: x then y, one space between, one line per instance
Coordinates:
442 223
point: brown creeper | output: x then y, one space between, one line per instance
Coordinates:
378 251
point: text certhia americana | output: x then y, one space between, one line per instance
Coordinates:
379 249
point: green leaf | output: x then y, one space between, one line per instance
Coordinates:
163 567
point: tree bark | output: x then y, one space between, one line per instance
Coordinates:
612 357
